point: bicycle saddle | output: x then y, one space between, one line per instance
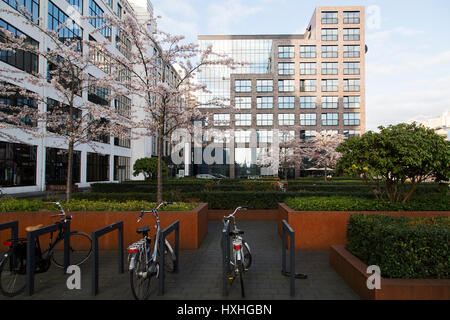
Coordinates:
32 228
143 229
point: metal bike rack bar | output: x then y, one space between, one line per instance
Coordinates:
14 226
288 230
225 256
173 227
97 234
31 250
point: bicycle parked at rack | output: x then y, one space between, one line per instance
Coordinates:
13 263
144 262
241 258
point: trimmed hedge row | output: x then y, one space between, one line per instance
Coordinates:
24 205
269 200
402 247
428 203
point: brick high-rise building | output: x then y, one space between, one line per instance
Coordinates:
314 80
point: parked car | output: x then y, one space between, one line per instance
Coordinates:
206 176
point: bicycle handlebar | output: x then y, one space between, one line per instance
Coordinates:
162 204
236 210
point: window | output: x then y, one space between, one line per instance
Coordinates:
351 119
98 95
78 4
286 68
221 120
122 105
241 136
119 11
286 136
23 60
17 164
123 142
352 51
351 68
286 119
329 17
264 119
330 119
56 68
352 17
286 102
308 85
56 166
351 34
307 102
329 34
286 86
330 102
307 134
329 132
329 68
243 119
352 102
329 51
12 104
243 102
285 52
31 7
329 85
123 44
97 167
61 111
264 85
264 136
121 168
352 133
242 85
307 68
308 119
264 102
99 59
307 51
351 85
95 12
70 32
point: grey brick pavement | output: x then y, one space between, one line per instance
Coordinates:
200 273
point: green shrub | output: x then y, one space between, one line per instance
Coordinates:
402 247
23 205
335 203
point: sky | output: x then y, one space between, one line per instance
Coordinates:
407 65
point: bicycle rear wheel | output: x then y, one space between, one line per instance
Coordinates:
13 275
80 249
143 280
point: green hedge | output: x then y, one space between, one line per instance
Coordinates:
402 247
428 203
23 205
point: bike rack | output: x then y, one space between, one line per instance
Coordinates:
97 234
173 227
31 250
225 256
288 230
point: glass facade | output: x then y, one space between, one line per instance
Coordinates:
97 167
31 7
56 166
17 164
121 168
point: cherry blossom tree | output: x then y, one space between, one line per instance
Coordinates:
63 114
162 69
322 150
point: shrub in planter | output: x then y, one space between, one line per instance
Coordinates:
402 247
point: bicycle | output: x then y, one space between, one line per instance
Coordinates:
241 258
13 263
144 262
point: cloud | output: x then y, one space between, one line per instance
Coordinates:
398 31
222 16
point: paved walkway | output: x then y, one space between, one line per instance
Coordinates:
200 273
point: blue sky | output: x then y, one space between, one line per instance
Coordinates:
408 63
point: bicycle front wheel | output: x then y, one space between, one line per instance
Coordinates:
169 258
80 249
143 280
13 275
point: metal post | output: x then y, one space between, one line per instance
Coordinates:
14 226
162 241
292 257
225 257
66 227
30 263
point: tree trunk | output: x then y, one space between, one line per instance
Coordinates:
410 192
69 171
325 171
159 173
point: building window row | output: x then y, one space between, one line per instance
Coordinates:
306 102
349 17
327 51
331 34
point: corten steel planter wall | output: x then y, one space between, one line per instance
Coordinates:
318 230
354 273
193 225
246 215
